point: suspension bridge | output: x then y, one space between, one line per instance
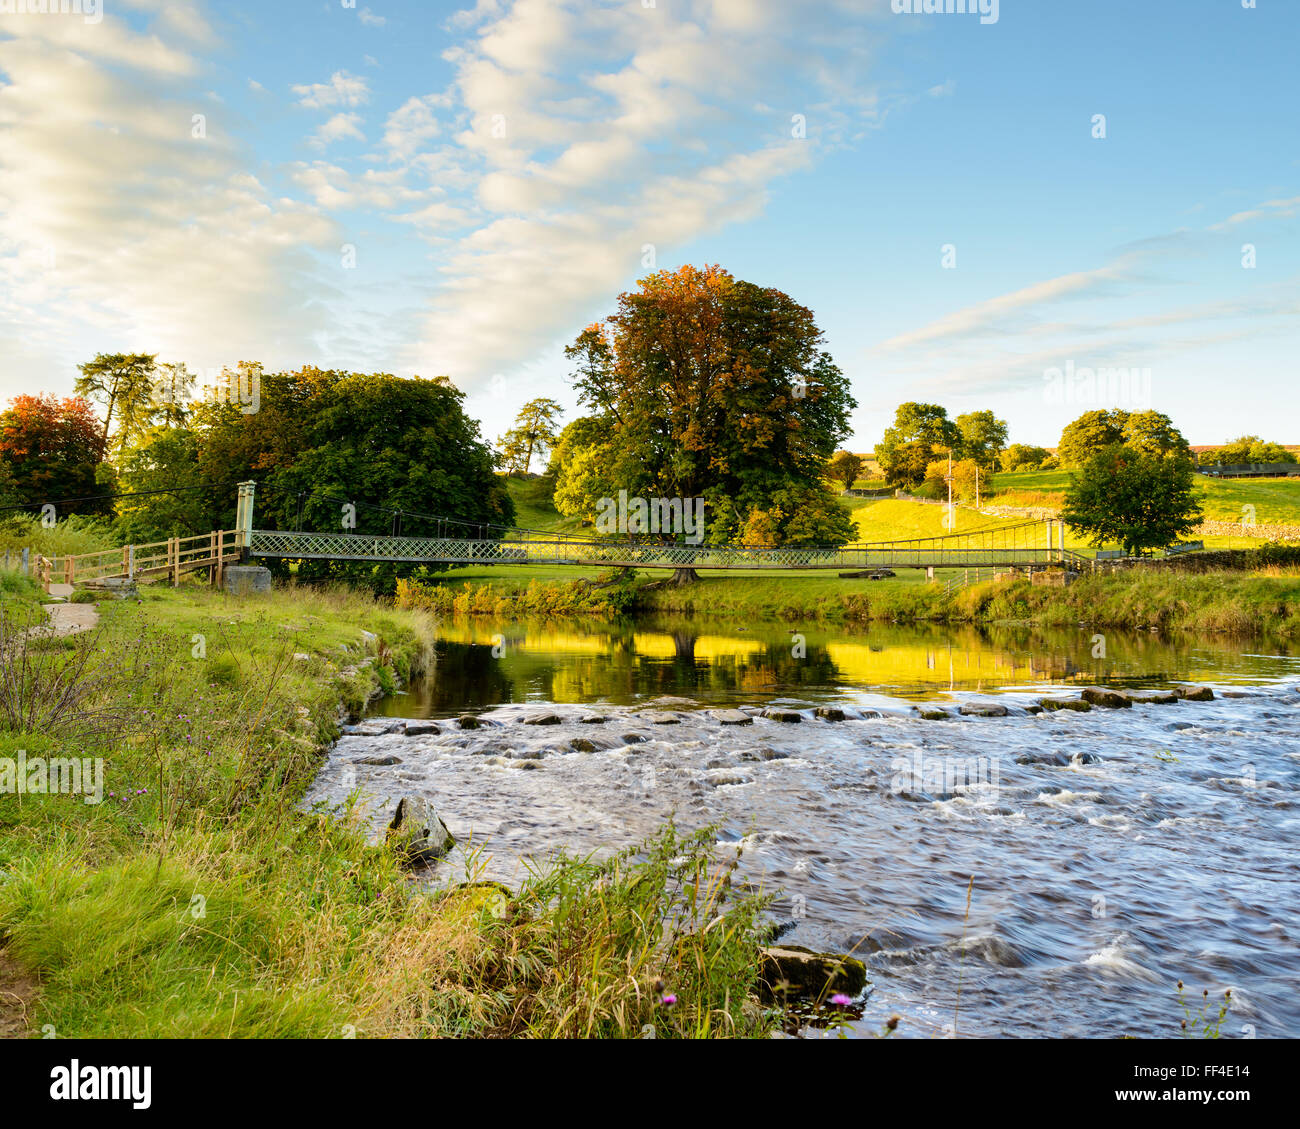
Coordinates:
1026 545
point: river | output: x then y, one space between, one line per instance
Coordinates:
1108 854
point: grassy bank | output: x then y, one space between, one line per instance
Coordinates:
1213 602
1241 603
197 900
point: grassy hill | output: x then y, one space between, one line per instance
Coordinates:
1276 500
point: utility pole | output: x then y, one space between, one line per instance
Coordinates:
952 518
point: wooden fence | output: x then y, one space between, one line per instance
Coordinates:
156 560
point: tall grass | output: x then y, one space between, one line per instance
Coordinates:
70 536
199 900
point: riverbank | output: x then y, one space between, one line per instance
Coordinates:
199 900
1231 602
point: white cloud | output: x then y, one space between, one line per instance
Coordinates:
369 19
338 127
121 230
343 89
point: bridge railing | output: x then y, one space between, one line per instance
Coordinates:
924 553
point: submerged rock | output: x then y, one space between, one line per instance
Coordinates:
543 719
763 753
731 717
935 715
1152 698
593 719
668 702
1076 704
469 721
661 718
829 713
787 716
982 709
793 970
385 760
1110 699
417 834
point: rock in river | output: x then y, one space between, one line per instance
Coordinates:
543 719
798 971
1110 699
1076 704
829 713
417 834
783 715
422 728
731 717
982 709
1194 693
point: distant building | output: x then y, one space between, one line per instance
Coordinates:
1251 470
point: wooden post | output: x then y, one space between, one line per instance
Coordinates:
221 558
126 560
174 559
212 555
69 569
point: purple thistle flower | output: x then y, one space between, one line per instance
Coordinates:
840 1000
668 1000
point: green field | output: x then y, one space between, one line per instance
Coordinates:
1276 500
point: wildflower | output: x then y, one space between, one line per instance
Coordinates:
892 1022
840 1000
668 1000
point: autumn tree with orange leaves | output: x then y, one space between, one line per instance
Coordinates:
709 386
51 449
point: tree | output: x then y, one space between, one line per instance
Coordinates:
915 422
714 388
535 432
845 467
969 479
1248 449
323 440
1090 433
52 449
1129 497
983 437
158 477
1020 456
1155 433
905 465
124 384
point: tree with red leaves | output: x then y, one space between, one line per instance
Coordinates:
52 449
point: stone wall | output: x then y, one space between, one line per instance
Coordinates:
1236 529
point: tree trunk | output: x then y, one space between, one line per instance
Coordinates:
683 577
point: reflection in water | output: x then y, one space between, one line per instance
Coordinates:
1112 853
486 663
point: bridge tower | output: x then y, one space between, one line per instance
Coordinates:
244 517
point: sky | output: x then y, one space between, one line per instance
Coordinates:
981 209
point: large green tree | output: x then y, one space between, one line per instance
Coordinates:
1092 432
1155 433
918 432
1128 497
717 388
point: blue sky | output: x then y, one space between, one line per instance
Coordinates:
418 188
